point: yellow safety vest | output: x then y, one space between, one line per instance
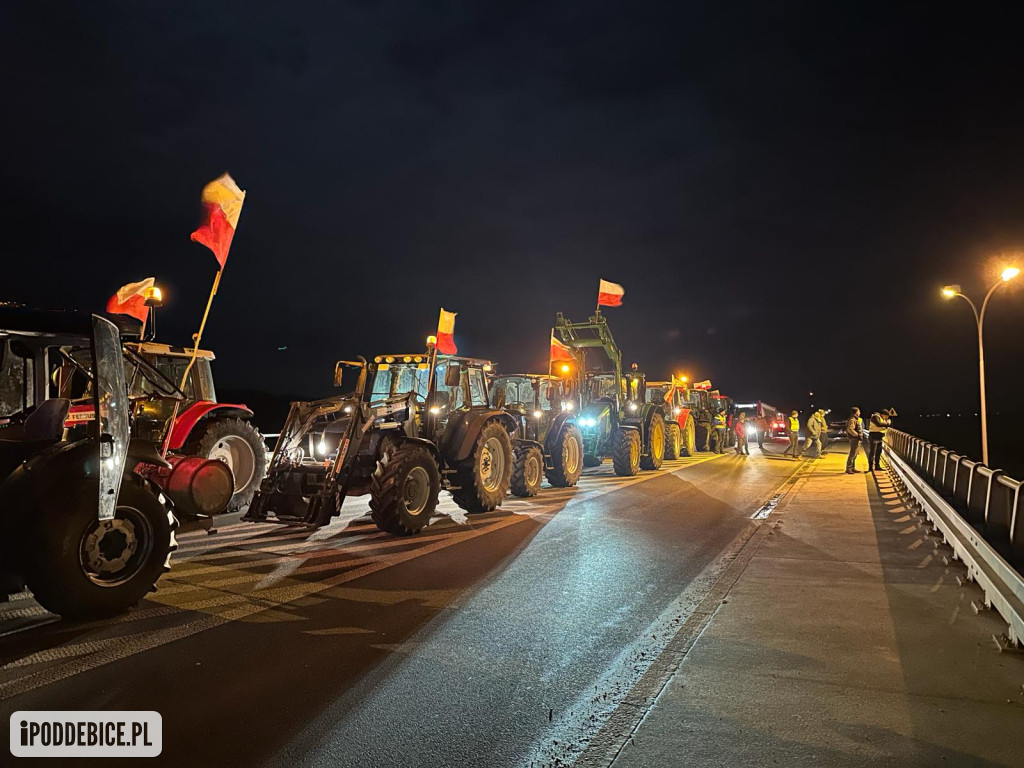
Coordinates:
719 421
794 424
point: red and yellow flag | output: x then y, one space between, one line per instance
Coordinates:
222 203
559 351
610 294
131 300
445 333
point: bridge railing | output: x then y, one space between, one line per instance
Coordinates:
980 513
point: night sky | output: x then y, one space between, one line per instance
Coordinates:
781 188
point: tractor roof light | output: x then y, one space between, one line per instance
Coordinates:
153 297
431 342
487 366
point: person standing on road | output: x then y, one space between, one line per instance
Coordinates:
824 431
760 428
720 430
794 436
813 436
877 426
742 448
854 429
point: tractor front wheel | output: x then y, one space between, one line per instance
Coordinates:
673 442
689 442
483 479
567 460
84 568
655 454
626 452
238 444
527 471
404 489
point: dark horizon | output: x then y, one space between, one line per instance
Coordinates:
782 192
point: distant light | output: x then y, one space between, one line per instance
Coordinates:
566 369
1009 273
950 291
347 409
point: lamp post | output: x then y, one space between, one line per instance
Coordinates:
952 291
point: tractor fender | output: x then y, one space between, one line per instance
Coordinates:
518 442
462 438
425 443
558 425
187 420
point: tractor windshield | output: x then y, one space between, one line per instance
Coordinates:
518 390
402 378
602 387
656 394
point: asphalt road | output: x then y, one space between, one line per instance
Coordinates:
500 639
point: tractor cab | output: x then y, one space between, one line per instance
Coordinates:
60 485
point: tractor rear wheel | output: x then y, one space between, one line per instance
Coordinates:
673 442
689 442
483 479
404 489
85 568
626 452
238 444
655 454
567 460
527 471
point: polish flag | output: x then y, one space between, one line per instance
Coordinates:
445 332
559 351
131 300
222 203
610 294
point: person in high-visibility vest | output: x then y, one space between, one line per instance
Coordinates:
794 436
720 430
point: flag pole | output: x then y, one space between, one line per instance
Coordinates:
202 326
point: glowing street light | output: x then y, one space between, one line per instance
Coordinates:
951 292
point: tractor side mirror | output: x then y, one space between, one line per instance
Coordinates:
339 372
499 397
551 393
453 375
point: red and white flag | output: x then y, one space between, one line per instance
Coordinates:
446 333
222 203
559 351
610 294
131 300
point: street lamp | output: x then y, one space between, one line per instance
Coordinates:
952 291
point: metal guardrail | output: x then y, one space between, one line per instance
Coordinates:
980 513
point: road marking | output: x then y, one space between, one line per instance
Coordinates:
69 660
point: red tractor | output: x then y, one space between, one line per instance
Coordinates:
204 427
678 407
201 426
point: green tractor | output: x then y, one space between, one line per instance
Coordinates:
414 425
615 419
547 442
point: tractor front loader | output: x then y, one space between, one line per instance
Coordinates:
614 420
414 425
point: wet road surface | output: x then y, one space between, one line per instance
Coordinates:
499 639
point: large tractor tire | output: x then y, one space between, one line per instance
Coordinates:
527 471
238 444
567 458
83 568
703 437
404 489
654 456
626 452
483 479
689 434
673 441
592 461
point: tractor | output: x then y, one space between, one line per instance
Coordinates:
680 439
615 418
201 426
413 425
547 441
79 525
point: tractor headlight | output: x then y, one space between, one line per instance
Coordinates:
677 411
588 423
537 414
321 447
567 406
632 406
